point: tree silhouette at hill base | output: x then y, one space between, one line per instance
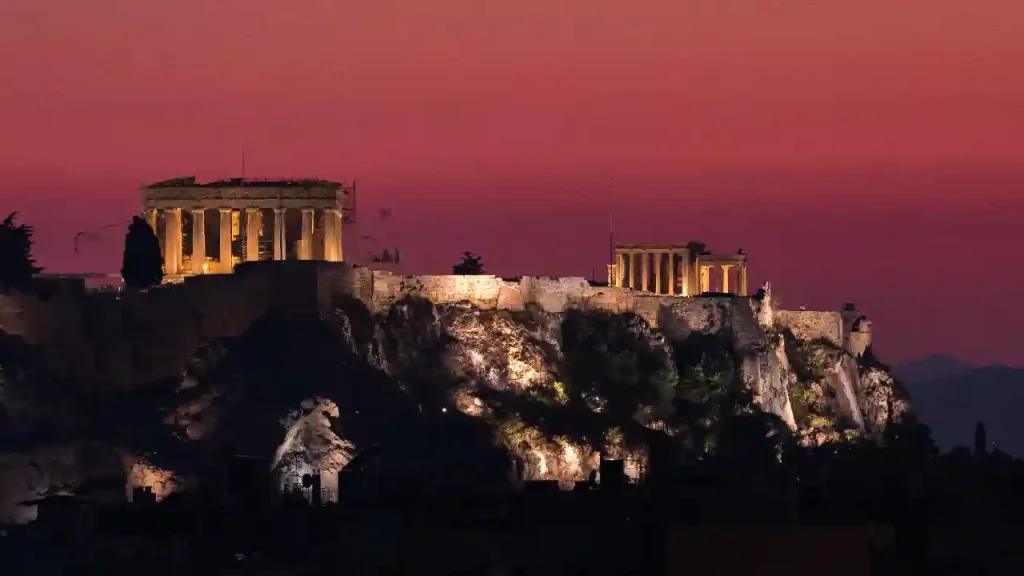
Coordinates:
142 265
16 264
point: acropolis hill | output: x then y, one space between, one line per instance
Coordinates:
305 361
66 320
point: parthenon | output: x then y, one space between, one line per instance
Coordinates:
307 216
676 269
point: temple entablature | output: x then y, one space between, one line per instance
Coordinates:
677 269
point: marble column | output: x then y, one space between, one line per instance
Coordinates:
172 242
332 242
671 273
252 235
279 233
685 273
742 279
226 263
657 272
152 218
705 279
620 268
725 278
339 221
328 236
645 271
306 245
198 241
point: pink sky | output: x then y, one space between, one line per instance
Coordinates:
865 151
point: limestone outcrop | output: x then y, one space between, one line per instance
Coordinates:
457 379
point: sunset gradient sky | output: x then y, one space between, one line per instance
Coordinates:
858 150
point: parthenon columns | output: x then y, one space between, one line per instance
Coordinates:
725 278
306 244
645 272
689 274
172 242
176 263
244 207
332 235
252 234
225 257
740 288
198 241
279 233
339 245
633 269
705 279
657 272
671 274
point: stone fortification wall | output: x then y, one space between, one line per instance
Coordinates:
494 293
812 325
108 341
552 295
859 339
676 315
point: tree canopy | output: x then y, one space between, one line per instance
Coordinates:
143 264
16 263
470 264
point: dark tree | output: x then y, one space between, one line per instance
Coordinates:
16 264
470 265
980 442
143 263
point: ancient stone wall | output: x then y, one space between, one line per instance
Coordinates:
555 295
859 339
812 325
493 293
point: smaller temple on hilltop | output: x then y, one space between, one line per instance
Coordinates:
210 227
677 269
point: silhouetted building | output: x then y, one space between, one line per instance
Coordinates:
613 474
249 481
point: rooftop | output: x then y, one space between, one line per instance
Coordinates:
190 182
693 246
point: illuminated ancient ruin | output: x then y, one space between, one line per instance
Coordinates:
249 220
677 269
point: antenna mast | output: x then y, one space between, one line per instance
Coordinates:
611 221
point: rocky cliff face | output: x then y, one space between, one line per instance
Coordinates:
837 396
451 393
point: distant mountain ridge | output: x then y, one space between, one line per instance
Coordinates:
951 396
931 367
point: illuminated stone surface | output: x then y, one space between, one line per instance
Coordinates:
307 363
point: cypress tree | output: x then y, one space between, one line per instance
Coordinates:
980 440
143 264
